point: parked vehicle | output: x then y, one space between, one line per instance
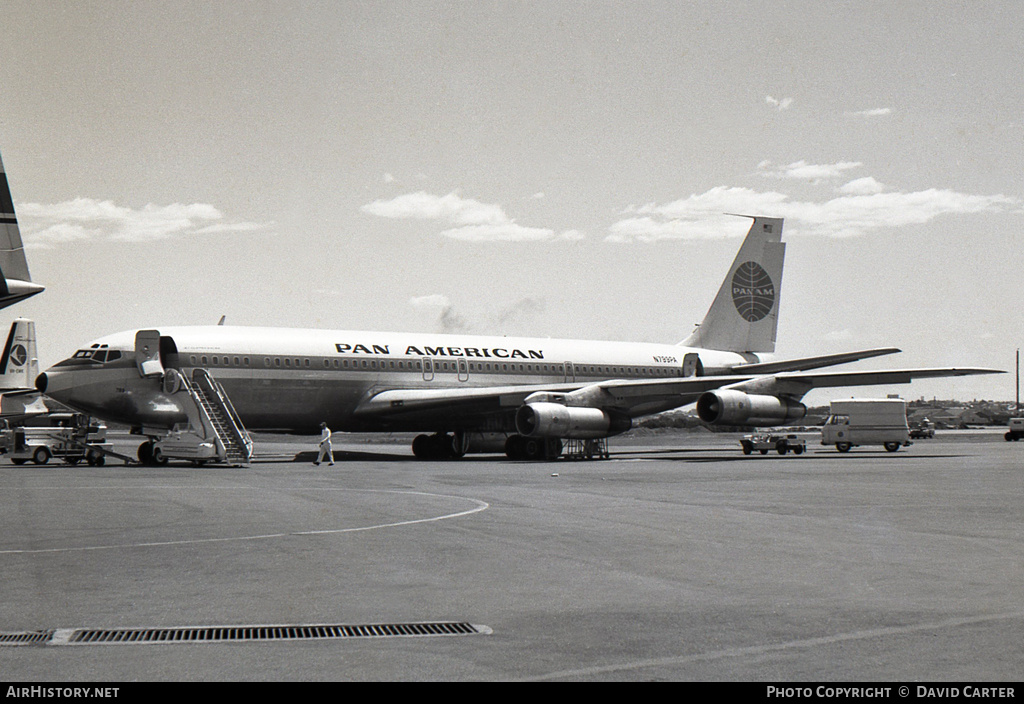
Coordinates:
865 421
924 429
70 437
765 442
1015 429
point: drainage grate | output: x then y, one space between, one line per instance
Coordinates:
26 638
236 634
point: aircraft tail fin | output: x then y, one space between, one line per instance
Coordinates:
15 282
745 314
19 364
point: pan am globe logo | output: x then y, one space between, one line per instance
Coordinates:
753 292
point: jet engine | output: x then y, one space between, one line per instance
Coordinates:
730 407
553 420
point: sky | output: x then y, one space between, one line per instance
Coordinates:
550 168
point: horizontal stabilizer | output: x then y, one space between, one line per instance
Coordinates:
18 406
15 282
880 376
805 363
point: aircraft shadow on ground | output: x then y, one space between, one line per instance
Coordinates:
670 455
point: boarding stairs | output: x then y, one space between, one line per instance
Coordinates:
234 446
213 433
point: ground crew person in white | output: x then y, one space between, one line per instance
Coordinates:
325 445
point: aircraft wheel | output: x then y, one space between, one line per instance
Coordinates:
533 449
420 446
439 446
41 455
459 443
514 449
891 446
146 452
843 446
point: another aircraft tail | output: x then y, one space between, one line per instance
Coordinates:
15 282
745 314
19 364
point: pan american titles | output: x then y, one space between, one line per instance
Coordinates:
427 351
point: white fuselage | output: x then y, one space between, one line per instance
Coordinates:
292 379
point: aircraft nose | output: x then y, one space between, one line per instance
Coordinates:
41 382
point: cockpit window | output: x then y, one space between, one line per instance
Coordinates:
98 354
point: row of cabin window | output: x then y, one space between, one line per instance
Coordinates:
438 366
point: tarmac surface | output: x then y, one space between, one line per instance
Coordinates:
677 559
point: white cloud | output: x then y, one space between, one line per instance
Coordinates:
862 187
862 208
843 335
648 229
425 206
434 300
803 171
46 225
875 112
504 232
780 105
471 220
718 200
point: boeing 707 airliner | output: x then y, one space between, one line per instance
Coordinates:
463 393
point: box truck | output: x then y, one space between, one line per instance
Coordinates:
866 421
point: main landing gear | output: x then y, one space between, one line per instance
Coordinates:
439 446
450 446
519 447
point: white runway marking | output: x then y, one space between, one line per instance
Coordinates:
479 506
754 650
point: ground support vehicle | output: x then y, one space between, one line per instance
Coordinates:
765 442
74 438
867 421
923 430
1015 430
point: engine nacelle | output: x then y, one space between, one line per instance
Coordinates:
730 407
553 420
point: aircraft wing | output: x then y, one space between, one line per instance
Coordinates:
791 382
805 363
634 397
17 405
